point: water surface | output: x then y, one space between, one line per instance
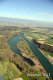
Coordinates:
12 42
42 59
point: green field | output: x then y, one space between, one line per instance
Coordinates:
10 63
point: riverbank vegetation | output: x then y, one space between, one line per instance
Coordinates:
27 52
12 66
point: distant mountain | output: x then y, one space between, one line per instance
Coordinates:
27 23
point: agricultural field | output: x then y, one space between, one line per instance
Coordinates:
16 56
42 35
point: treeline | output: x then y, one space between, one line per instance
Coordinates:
46 47
18 61
2 28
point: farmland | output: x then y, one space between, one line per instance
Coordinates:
12 65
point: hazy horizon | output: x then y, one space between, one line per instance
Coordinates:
37 10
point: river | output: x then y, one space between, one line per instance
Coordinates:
12 42
42 59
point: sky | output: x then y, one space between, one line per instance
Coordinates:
41 10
